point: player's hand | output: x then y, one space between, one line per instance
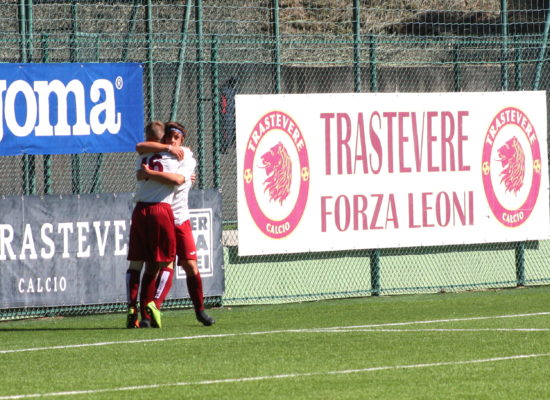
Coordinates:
143 173
193 178
176 151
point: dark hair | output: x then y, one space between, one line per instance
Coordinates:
175 126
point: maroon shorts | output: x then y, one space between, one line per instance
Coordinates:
185 243
152 233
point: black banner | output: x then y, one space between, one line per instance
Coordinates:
71 250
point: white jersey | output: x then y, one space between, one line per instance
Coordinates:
151 191
180 205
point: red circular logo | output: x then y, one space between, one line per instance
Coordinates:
276 174
511 167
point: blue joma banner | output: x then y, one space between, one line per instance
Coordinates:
71 250
70 108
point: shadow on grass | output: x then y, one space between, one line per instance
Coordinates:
61 329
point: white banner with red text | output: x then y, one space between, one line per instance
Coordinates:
323 172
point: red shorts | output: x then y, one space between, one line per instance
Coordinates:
152 233
185 242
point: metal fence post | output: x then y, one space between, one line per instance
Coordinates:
357 46
200 94
150 76
520 263
372 64
540 61
520 246
75 158
277 50
181 60
25 27
518 70
47 159
457 71
215 110
131 29
97 177
29 33
375 272
504 25
374 253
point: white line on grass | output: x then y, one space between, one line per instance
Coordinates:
434 321
310 330
345 330
279 376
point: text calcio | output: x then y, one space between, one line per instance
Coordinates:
389 143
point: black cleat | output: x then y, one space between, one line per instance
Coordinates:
132 318
204 318
145 323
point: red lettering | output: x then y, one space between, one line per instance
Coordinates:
354 212
390 116
447 209
425 209
327 117
460 140
440 135
375 142
377 207
446 141
411 212
360 145
342 142
431 138
391 212
416 142
359 212
324 212
402 140
342 201
442 209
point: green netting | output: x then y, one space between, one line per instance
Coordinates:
190 48
44 312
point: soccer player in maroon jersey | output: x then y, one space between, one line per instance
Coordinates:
152 232
175 135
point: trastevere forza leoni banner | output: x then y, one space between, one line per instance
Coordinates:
321 172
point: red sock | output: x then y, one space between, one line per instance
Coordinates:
164 283
194 287
147 294
132 286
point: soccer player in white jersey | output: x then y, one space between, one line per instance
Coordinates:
175 134
152 232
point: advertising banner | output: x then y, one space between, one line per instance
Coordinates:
320 172
70 108
71 250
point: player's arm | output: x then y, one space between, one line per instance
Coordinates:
156 147
167 178
188 167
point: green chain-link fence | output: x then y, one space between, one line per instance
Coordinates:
190 49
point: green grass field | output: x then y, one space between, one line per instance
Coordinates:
475 345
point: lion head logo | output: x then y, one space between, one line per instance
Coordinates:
278 167
512 157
